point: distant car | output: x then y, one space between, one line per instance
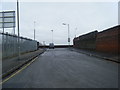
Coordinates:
51 46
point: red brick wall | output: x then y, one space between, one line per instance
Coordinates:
107 40
86 41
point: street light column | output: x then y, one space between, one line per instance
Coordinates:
68 35
52 36
75 32
34 30
18 30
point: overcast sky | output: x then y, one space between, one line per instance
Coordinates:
85 16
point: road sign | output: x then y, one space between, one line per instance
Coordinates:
7 19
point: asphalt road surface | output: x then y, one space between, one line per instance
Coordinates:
62 68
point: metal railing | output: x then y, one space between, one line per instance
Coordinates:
10 45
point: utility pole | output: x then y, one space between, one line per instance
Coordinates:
18 30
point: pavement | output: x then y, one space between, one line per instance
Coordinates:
106 56
12 63
63 68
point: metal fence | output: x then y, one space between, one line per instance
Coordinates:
10 45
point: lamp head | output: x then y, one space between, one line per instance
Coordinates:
64 23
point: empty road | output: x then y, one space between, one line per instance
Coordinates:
63 68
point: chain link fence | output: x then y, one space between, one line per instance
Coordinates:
0 60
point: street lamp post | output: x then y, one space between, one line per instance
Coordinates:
18 29
68 33
3 21
44 44
34 30
52 36
75 32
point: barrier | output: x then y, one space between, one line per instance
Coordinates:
107 40
87 41
10 45
104 41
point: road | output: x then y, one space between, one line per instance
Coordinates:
63 68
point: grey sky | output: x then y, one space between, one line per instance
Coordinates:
85 16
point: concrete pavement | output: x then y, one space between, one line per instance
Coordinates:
62 68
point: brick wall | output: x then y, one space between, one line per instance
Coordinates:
107 40
86 41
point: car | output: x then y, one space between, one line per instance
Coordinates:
51 46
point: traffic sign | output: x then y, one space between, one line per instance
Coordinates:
7 19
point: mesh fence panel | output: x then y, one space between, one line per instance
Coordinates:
0 61
10 45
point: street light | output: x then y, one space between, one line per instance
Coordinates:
18 30
34 30
68 34
75 32
52 36
44 44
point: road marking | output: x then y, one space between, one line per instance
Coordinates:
18 71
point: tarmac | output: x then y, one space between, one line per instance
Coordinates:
63 68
